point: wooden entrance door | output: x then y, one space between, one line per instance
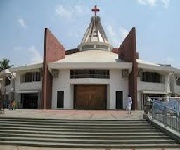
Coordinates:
90 96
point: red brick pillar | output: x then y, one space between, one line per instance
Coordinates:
53 51
127 52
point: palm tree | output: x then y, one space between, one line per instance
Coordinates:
4 64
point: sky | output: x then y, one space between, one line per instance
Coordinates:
22 24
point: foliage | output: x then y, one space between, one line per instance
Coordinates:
4 64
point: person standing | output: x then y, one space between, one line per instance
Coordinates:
13 105
148 105
129 103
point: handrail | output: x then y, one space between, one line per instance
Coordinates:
162 112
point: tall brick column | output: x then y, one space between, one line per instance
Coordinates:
127 52
53 51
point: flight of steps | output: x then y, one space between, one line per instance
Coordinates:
82 133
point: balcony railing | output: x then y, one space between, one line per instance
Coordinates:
89 76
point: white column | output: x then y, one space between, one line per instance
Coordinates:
167 83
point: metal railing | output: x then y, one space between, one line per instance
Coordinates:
167 114
103 76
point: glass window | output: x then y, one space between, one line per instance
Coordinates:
152 77
30 77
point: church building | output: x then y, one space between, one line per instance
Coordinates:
94 75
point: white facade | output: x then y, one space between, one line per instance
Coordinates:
64 83
23 87
91 59
166 87
115 83
17 88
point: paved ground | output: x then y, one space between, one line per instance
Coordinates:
2 147
74 114
67 114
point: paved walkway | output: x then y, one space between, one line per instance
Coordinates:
74 114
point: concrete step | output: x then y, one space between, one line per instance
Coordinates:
95 136
75 123
68 120
87 141
75 145
81 133
80 129
7 124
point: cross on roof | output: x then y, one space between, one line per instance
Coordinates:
95 9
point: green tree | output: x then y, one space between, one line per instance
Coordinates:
4 64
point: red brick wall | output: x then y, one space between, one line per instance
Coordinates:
127 52
53 51
115 50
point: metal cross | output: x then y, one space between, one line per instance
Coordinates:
95 9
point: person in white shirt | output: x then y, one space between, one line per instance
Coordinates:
129 103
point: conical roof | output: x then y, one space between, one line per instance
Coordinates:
95 37
95 31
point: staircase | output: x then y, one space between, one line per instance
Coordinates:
82 133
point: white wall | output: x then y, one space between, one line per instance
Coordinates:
35 86
64 83
177 90
139 103
117 83
167 83
27 86
149 86
176 87
30 86
108 96
71 102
